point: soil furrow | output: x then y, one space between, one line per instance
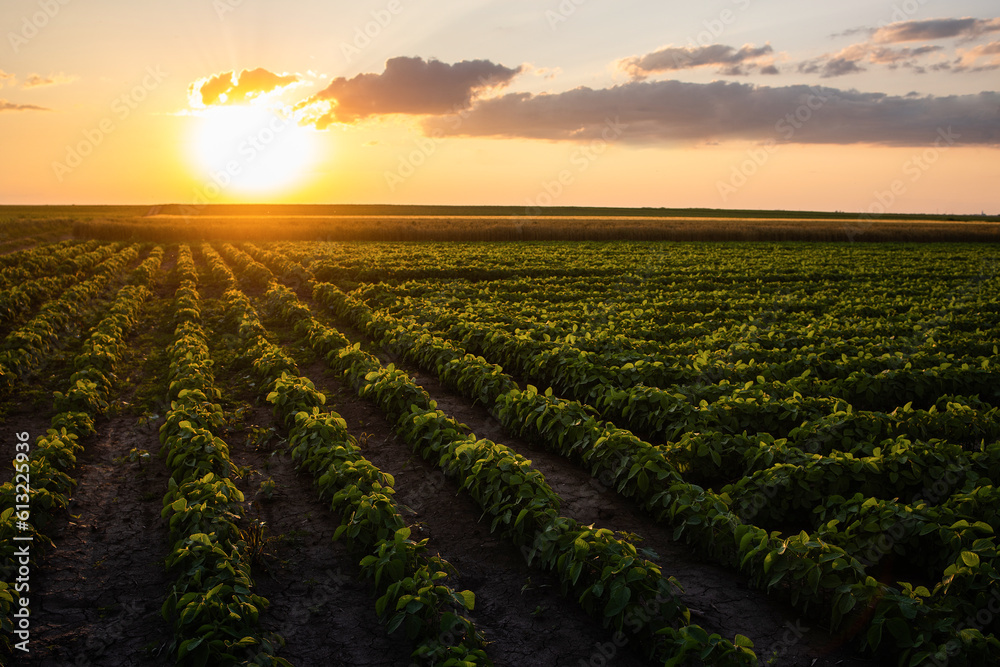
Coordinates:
519 609
720 599
99 591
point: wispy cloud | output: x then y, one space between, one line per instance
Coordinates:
730 60
932 29
979 58
10 106
880 48
408 86
38 81
6 78
674 111
233 88
851 59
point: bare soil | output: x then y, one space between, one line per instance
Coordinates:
99 592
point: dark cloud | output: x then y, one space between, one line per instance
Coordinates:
850 59
409 86
930 29
889 56
10 106
238 88
674 111
830 66
733 61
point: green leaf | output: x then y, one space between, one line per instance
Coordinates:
619 598
970 558
468 599
396 621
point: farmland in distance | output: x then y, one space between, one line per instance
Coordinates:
560 452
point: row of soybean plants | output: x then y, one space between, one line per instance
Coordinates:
684 264
43 280
707 424
42 482
800 410
211 604
26 347
814 572
879 381
43 260
413 588
605 573
413 592
796 313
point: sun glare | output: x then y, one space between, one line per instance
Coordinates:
251 150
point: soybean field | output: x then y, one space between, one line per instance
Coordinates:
510 453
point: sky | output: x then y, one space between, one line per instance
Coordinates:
866 106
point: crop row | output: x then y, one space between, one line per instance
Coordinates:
42 482
30 291
47 260
26 347
605 573
250 270
878 383
814 572
211 604
413 590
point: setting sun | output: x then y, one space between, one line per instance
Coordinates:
251 149
275 272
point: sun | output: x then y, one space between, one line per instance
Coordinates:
252 150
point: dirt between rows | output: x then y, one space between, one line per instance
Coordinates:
719 598
98 593
96 597
519 609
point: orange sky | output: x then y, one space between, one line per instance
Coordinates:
880 107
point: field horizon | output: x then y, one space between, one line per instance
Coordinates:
370 222
482 210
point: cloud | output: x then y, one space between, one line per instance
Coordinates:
4 76
10 106
37 81
970 60
233 88
849 60
408 86
674 111
672 58
829 66
931 29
